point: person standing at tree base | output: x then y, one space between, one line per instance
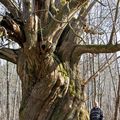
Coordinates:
96 113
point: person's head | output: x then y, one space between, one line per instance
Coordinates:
96 104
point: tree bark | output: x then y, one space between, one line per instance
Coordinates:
7 101
51 86
48 60
50 90
117 101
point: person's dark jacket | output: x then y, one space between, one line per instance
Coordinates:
96 114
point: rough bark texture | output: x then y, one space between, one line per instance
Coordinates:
48 60
51 86
50 90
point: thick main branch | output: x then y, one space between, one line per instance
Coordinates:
11 7
81 49
13 30
62 19
9 54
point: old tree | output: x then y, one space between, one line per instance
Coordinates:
48 56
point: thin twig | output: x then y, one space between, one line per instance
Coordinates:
59 21
76 33
101 3
106 64
114 22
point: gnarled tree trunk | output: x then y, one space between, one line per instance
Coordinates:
51 86
48 57
51 91
50 82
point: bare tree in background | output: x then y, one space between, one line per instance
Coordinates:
7 81
117 102
51 44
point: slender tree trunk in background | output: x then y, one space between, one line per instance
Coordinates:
94 81
89 87
15 101
117 104
0 106
99 80
19 95
7 78
93 72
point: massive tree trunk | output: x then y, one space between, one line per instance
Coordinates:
48 59
51 86
51 89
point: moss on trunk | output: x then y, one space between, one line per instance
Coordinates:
48 91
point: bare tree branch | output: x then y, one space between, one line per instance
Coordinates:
114 22
9 54
81 49
77 50
64 15
102 68
12 30
88 9
27 9
11 7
